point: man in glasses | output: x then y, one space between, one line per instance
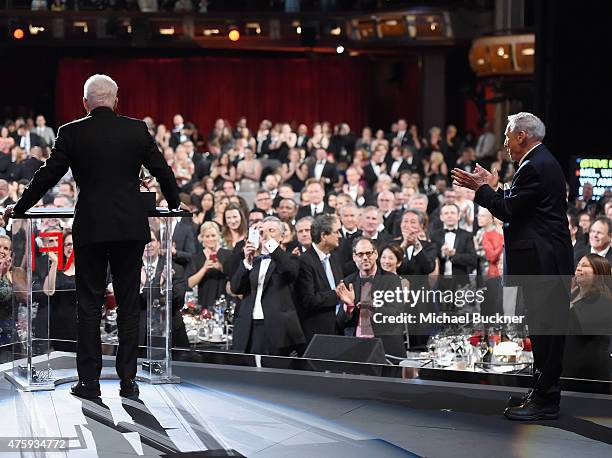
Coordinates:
356 292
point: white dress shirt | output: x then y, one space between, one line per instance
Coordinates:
316 209
396 165
602 253
318 169
171 227
270 246
449 240
527 153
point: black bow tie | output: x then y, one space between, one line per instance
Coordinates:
261 257
451 230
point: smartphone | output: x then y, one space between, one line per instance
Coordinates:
213 257
254 236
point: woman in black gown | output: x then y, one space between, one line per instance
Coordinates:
587 346
60 287
208 266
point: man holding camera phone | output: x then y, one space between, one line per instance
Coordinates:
266 322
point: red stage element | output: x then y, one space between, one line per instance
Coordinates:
355 90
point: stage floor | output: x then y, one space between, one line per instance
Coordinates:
235 411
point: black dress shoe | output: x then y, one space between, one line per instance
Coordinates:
87 390
515 401
129 388
531 411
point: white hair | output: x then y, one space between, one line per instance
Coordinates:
528 123
100 91
274 219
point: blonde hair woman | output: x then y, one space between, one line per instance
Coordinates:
208 267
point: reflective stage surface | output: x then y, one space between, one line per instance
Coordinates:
234 411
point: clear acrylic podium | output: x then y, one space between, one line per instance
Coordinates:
43 336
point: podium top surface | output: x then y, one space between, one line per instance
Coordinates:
51 212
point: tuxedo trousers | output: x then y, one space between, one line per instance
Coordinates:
91 263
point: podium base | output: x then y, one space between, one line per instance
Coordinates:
61 370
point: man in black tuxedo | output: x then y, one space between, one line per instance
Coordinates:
371 226
390 215
26 169
396 164
316 193
302 137
267 321
320 273
599 240
456 251
323 170
349 220
152 288
27 140
375 167
183 239
110 223
263 202
303 238
537 248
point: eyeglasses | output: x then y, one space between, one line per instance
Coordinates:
367 254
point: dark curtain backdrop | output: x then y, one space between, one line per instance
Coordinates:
360 91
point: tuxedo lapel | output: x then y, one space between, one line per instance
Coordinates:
254 276
271 267
335 265
318 265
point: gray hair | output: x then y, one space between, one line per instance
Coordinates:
100 91
322 225
351 205
419 214
418 196
528 123
304 219
274 219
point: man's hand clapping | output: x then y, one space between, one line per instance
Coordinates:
475 180
346 295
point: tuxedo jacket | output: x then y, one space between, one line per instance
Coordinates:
391 335
105 152
184 238
392 222
26 169
403 166
306 211
281 322
582 249
35 140
329 175
345 252
317 301
464 260
421 264
370 175
152 292
536 235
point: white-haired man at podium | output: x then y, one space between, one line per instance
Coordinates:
105 152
